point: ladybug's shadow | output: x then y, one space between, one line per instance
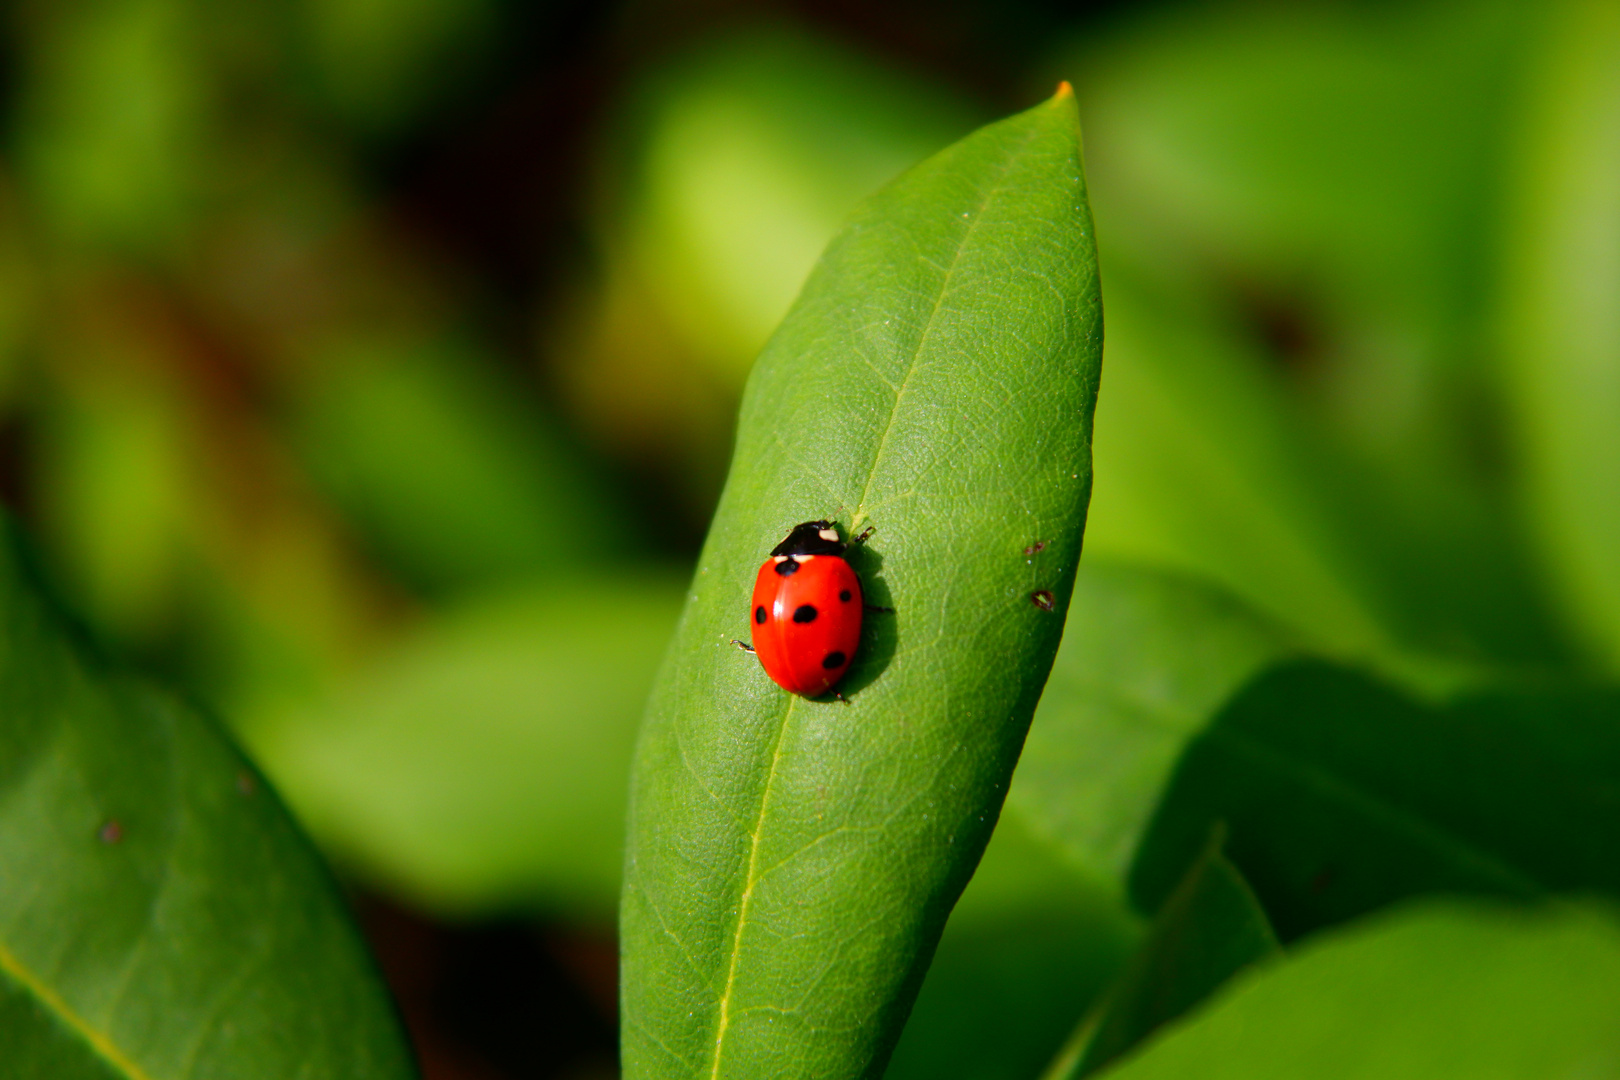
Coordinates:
880 630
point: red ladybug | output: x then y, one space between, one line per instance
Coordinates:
807 610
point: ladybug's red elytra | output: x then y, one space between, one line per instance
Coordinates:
806 612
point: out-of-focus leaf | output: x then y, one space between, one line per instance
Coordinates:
1210 929
734 166
176 527
19 290
452 478
1030 944
115 482
1561 281
1200 469
1342 795
1332 149
791 862
114 120
162 916
753 150
1462 991
379 63
1309 187
1147 660
483 763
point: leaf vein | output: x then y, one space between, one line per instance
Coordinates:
750 879
99 1041
928 328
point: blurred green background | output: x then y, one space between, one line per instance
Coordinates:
368 369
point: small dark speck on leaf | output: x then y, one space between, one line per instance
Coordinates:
1039 545
1042 599
111 832
244 782
1321 881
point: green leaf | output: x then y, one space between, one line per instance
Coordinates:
1211 928
1463 991
790 862
159 914
381 68
1147 660
1296 206
1202 469
1562 324
750 152
1334 155
1031 943
482 763
436 458
111 462
113 132
1343 795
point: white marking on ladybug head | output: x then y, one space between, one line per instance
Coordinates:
780 558
829 535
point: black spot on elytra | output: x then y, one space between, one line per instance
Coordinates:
804 613
759 614
834 659
843 594
788 566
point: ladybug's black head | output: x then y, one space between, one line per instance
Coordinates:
811 538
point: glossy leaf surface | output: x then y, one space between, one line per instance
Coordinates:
791 862
159 914
1467 992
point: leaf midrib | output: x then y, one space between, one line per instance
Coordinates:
933 317
98 1041
750 881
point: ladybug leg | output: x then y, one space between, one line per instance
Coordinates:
874 607
839 695
743 645
868 531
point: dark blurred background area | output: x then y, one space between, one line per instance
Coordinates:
367 369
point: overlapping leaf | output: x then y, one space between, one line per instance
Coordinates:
159 914
1462 991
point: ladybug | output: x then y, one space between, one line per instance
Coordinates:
807 610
